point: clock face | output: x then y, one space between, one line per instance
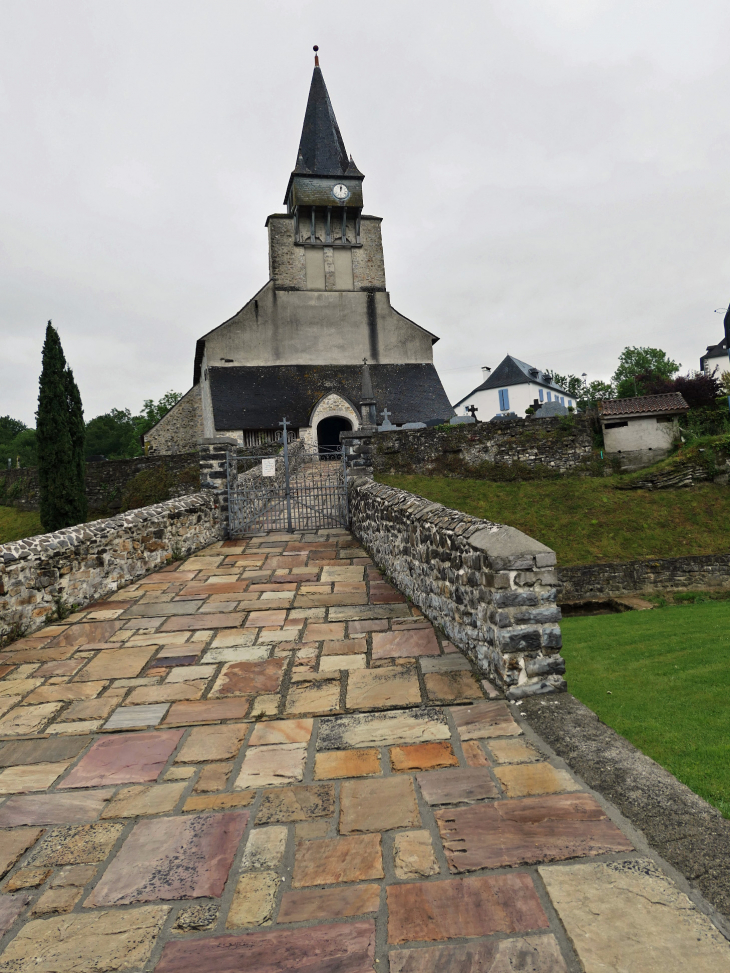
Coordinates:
340 192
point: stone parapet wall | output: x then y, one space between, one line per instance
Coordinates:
491 588
85 563
105 481
661 574
508 449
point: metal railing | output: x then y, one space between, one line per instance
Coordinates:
290 488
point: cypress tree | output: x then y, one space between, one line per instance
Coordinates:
60 438
77 431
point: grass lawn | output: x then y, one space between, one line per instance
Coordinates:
661 678
585 520
16 524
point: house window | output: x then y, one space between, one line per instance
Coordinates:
541 395
504 400
614 425
549 397
562 400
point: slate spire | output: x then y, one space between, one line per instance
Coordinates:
321 148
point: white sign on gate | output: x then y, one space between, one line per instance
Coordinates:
268 467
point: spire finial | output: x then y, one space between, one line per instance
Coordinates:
316 56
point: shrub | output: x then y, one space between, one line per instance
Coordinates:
157 485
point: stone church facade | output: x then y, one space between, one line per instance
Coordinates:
297 348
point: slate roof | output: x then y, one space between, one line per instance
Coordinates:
258 396
715 351
548 409
512 371
672 402
322 149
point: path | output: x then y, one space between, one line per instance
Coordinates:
263 759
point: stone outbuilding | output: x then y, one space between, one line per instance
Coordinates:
296 349
641 431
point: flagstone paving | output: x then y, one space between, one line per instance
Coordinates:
263 758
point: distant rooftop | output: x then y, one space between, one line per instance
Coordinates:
672 402
512 371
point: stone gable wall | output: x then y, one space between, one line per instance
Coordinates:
508 449
180 429
691 572
491 588
105 482
85 563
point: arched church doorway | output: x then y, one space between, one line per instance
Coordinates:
328 433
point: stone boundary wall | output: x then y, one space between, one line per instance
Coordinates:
179 430
660 574
508 449
491 588
105 481
85 563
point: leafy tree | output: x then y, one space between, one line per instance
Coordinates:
584 394
113 435
634 362
117 434
573 385
22 449
154 411
10 428
700 391
60 439
17 442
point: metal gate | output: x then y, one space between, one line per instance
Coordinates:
294 488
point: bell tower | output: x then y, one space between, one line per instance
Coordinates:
325 189
328 244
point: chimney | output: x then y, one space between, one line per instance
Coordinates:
485 372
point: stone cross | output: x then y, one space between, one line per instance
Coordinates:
472 410
387 424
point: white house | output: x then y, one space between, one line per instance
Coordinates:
641 429
716 357
512 387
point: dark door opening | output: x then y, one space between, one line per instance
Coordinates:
328 433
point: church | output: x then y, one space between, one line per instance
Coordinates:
297 348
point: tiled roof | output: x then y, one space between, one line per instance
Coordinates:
643 405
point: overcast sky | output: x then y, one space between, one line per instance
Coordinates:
554 175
